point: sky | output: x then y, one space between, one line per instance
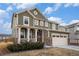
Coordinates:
63 13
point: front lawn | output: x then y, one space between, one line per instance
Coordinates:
3 47
47 52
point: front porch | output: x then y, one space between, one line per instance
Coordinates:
31 35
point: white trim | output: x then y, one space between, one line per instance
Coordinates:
36 22
33 22
42 36
35 35
23 33
31 13
48 34
53 26
17 19
41 23
23 20
46 24
28 34
19 35
35 12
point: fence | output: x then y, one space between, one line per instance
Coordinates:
73 42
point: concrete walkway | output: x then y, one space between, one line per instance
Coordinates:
70 47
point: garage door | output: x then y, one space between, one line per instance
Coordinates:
59 41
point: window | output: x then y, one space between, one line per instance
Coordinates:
53 26
41 23
53 35
36 22
77 28
61 36
64 36
35 12
57 35
25 20
56 26
22 33
46 24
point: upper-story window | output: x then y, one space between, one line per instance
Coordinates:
66 29
56 26
41 23
46 24
36 22
53 26
25 20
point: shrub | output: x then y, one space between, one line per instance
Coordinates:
25 46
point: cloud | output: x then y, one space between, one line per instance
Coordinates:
76 4
57 6
71 4
25 5
57 20
20 6
67 5
7 26
3 14
9 9
61 21
4 23
49 10
1 23
74 21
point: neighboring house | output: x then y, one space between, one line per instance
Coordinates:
74 31
4 36
32 26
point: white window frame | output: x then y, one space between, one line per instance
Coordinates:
24 20
46 24
36 22
41 23
54 26
23 33
17 19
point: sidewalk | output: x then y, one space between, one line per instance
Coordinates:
70 47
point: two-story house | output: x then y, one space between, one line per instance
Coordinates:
32 26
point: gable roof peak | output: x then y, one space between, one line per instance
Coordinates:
23 10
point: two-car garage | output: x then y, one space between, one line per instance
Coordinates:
59 39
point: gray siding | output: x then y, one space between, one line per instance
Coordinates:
39 14
20 18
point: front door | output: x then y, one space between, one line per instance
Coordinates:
39 36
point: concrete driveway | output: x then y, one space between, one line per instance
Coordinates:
70 47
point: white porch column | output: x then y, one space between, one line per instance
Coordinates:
42 36
19 35
28 34
35 35
48 34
